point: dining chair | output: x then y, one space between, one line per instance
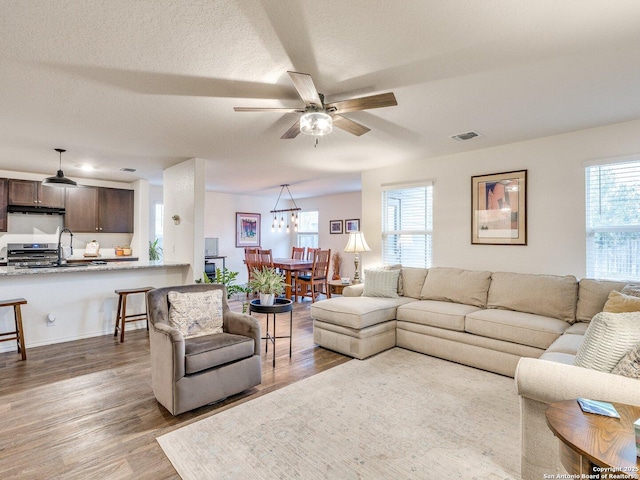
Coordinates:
318 281
297 253
251 260
265 259
311 253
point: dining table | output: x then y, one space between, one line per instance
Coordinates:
289 266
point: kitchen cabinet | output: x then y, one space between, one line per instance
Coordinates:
99 209
4 199
31 192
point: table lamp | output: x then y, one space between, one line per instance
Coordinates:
357 244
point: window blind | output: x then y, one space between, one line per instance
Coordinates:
613 220
407 225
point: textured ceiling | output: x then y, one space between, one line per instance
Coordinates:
147 84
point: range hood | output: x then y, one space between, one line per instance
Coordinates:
35 209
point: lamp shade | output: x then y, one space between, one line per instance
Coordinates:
357 243
316 123
59 180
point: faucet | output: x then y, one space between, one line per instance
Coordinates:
59 260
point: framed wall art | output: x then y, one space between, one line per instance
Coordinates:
352 225
247 229
499 208
335 226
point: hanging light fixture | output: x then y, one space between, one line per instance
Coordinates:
294 213
59 180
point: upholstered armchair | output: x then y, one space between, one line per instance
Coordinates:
187 373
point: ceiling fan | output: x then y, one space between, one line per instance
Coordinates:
319 118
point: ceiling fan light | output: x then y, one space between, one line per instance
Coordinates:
316 124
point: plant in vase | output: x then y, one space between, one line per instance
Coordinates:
268 283
155 250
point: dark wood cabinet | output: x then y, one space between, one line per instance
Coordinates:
4 201
98 209
31 192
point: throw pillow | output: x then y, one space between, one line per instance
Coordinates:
629 366
610 337
631 289
381 283
400 280
196 313
620 303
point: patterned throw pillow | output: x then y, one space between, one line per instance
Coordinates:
609 337
196 313
631 289
620 303
381 283
629 366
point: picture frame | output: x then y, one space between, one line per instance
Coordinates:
499 208
352 225
247 229
335 227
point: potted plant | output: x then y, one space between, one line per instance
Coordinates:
155 250
268 283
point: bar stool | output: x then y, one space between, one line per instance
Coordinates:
121 316
18 334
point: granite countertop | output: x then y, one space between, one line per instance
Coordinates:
87 267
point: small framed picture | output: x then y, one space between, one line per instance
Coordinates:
352 225
247 229
335 226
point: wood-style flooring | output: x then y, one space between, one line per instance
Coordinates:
85 409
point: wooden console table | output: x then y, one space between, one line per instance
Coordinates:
593 444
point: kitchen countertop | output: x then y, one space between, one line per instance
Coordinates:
80 267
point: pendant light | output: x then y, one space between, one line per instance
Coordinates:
59 180
294 212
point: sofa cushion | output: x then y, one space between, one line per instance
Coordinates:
610 337
566 343
196 313
620 303
518 327
357 312
436 314
412 281
592 295
456 285
381 283
547 295
209 351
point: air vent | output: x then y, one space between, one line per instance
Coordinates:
461 137
127 169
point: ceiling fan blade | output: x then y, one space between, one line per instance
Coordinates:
268 109
292 132
306 89
349 125
363 103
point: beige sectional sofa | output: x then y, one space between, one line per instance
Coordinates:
527 326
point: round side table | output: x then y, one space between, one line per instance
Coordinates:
281 305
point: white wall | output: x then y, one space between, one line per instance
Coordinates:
220 222
556 225
335 207
184 196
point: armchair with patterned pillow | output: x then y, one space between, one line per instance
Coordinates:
201 351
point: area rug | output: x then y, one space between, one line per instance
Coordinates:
397 415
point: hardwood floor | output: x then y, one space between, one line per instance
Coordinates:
85 409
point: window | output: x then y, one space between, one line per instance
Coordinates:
407 225
613 220
159 223
308 229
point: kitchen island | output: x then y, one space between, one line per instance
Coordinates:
78 301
